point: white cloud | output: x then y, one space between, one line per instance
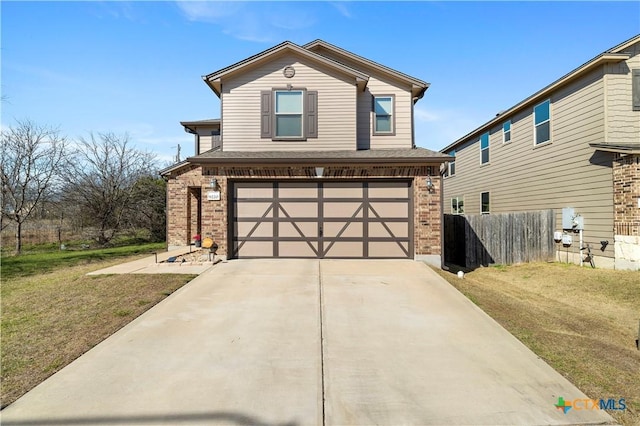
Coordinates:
341 7
254 21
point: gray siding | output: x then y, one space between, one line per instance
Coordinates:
565 172
336 106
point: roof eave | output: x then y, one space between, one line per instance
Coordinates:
618 149
599 60
318 160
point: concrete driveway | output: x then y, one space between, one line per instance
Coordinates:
307 342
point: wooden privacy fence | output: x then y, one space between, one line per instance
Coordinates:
504 238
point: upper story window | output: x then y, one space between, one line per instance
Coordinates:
506 132
384 121
484 148
452 164
542 122
289 114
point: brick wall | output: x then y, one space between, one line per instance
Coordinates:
427 213
626 185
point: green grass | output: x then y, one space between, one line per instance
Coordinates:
52 312
39 262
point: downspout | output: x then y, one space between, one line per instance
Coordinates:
413 130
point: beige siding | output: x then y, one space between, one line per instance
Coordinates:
402 137
379 84
563 173
623 124
336 106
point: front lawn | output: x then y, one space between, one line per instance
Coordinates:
52 312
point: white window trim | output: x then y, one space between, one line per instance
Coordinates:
275 114
485 149
392 116
535 126
458 199
504 132
489 193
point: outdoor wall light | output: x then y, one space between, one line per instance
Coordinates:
429 184
213 183
319 171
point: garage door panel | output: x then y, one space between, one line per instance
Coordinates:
254 249
388 249
254 190
349 229
342 209
388 190
298 190
343 190
298 229
388 210
298 210
388 230
298 249
344 249
254 210
253 229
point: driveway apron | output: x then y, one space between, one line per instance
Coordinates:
307 342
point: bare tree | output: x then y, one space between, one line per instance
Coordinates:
32 157
103 181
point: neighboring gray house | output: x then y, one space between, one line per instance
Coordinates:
573 144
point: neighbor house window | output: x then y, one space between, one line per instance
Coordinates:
451 168
288 111
506 132
457 205
289 114
383 107
542 122
484 203
484 148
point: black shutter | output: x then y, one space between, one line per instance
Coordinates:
266 119
312 114
635 89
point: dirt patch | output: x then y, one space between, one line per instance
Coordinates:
582 321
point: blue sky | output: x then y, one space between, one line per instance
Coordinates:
136 67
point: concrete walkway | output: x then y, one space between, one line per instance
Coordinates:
307 342
157 264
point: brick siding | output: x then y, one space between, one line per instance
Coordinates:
626 186
185 185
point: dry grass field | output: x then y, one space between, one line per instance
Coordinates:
51 318
582 321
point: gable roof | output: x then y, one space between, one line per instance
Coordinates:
418 86
213 80
612 55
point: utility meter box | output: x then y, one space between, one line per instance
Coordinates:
571 220
568 213
566 240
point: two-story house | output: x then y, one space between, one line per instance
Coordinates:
574 145
313 156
